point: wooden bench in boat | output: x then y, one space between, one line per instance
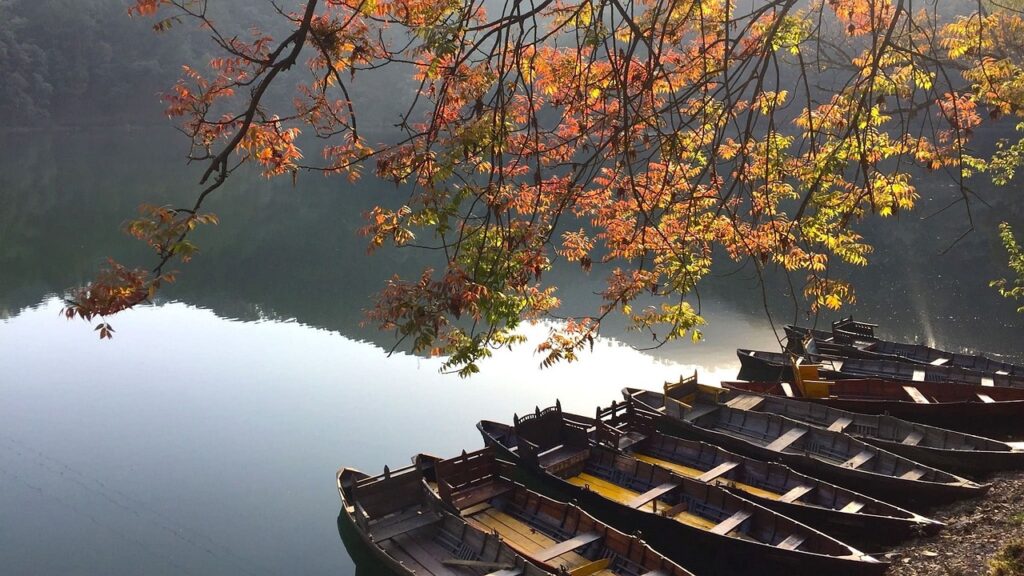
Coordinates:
720 470
985 398
402 526
561 456
699 410
795 493
840 424
787 389
745 402
918 376
731 523
939 361
652 494
792 542
914 474
470 497
569 545
853 507
787 439
986 381
859 459
913 439
591 567
915 395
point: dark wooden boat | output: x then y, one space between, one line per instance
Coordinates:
977 409
703 526
758 365
555 535
847 515
693 410
405 526
938 447
857 340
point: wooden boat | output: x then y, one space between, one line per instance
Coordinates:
938 447
693 410
977 409
857 340
555 535
700 524
404 525
847 515
758 365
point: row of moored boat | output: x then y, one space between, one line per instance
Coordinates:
806 466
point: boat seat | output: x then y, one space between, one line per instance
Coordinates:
792 542
561 457
859 459
569 545
985 398
731 523
796 493
720 470
939 361
699 410
915 395
591 567
987 381
653 493
630 439
840 424
787 439
402 526
913 439
745 402
853 507
914 474
787 389
470 497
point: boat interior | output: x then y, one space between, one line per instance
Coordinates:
553 533
399 514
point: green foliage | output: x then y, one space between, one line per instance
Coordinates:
1011 289
1009 561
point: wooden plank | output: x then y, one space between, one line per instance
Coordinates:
420 554
604 487
913 439
787 389
720 470
985 398
477 564
918 376
796 493
939 361
987 381
859 459
784 441
652 494
590 567
569 545
915 395
840 424
792 542
506 572
853 507
745 402
914 474
403 526
731 523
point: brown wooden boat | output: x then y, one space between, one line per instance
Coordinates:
693 410
404 525
702 525
761 365
852 339
558 536
972 409
938 447
847 515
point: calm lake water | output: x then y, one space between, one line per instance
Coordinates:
204 438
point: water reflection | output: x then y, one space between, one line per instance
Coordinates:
203 438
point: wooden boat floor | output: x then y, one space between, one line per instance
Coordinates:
694 473
422 556
624 495
522 536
